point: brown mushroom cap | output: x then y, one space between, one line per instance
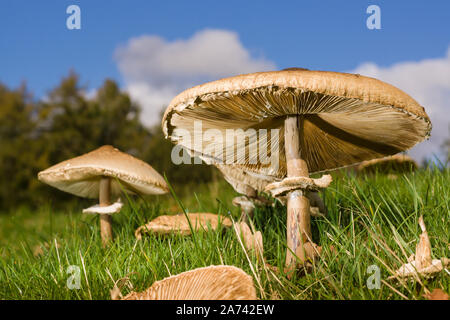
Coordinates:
209 283
397 163
348 118
169 224
81 175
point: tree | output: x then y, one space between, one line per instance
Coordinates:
35 135
17 162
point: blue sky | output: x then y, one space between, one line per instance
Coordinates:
36 46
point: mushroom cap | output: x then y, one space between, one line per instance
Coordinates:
81 175
348 118
397 163
169 224
208 283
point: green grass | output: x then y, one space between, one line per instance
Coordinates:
371 221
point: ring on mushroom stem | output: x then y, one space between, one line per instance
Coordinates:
247 185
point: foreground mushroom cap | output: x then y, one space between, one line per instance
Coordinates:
81 175
209 283
169 224
395 163
348 118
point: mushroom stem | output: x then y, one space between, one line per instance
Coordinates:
298 214
105 219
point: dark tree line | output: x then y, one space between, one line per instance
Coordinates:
37 134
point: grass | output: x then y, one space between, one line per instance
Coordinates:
372 220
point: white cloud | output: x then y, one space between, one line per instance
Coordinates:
428 82
156 70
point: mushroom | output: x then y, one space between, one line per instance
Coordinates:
398 163
314 121
252 241
249 184
100 174
208 283
169 224
421 263
247 207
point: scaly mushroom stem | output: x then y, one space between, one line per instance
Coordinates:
105 219
298 213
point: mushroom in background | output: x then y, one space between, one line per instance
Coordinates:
103 173
313 121
208 283
393 165
248 185
179 224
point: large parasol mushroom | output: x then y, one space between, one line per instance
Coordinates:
100 174
209 283
317 120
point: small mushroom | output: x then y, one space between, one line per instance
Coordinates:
312 121
178 224
247 207
208 283
421 263
100 174
247 185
